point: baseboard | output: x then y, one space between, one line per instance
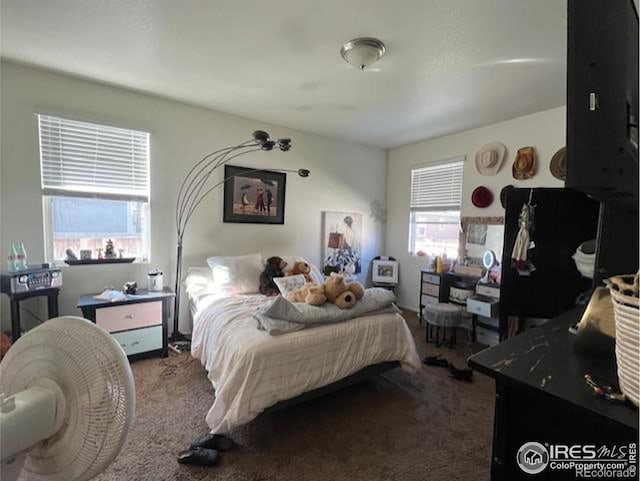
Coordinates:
406 308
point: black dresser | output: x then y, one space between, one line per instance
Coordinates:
542 397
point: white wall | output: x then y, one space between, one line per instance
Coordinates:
344 177
543 130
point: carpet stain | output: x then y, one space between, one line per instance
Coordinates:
395 426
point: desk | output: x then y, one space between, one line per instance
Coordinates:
564 410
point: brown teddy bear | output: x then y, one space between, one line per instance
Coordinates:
310 293
303 268
342 294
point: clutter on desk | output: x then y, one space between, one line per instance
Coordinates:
155 279
111 295
130 287
625 291
604 391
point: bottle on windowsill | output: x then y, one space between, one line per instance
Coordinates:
21 259
11 258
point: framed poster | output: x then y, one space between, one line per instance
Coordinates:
342 241
253 197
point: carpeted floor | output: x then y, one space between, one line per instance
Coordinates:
393 427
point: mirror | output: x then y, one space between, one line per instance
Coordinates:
480 234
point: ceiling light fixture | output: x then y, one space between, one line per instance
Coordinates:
362 52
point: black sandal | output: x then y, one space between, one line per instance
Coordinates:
436 361
199 457
464 374
219 442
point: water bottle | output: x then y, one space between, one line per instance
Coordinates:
11 258
21 260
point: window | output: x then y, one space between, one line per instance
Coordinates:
95 187
436 195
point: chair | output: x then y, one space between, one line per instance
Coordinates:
442 316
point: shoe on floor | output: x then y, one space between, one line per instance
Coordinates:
464 374
436 361
219 442
199 457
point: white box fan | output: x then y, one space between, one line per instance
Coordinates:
67 401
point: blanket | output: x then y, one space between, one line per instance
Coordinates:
282 316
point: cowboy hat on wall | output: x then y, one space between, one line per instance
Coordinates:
490 157
558 164
524 167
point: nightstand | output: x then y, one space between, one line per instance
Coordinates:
139 322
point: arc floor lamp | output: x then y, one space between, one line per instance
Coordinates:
196 186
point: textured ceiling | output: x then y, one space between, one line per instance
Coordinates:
450 64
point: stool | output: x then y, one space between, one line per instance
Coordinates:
442 315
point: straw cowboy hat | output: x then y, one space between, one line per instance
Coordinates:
558 165
490 157
524 167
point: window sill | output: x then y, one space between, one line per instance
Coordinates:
63 264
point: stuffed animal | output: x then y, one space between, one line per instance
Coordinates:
274 268
342 294
303 268
5 344
310 293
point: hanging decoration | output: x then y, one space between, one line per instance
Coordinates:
520 254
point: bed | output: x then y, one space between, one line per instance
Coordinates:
253 371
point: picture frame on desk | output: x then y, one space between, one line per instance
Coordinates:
385 272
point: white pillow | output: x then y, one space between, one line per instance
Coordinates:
316 275
199 282
289 283
237 274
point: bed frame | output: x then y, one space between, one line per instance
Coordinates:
350 380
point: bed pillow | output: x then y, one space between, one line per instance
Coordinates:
289 283
316 275
199 282
237 274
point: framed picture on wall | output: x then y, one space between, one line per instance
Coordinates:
253 197
342 242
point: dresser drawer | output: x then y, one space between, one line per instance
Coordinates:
140 340
129 316
489 291
428 300
430 289
432 278
484 307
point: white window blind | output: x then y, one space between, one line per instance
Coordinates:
86 159
437 187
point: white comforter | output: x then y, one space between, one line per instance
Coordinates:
252 370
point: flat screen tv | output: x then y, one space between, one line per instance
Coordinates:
602 100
